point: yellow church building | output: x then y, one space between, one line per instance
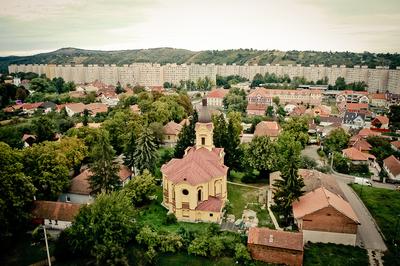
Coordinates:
194 187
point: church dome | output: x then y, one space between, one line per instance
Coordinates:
204 113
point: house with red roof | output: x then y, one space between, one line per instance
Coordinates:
54 215
277 247
358 157
326 217
195 187
267 128
392 167
378 99
395 145
171 133
216 97
381 122
362 145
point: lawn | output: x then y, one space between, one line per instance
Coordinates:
384 205
334 255
185 259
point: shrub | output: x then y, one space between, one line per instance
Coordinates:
170 219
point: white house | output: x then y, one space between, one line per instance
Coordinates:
54 215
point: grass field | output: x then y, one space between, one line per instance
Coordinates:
334 255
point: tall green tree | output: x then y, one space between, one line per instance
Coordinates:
141 188
336 141
220 131
44 128
235 100
261 154
186 137
103 229
146 154
130 149
104 168
289 187
298 127
16 191
233 153
394 117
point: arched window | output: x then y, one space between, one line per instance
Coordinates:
199 195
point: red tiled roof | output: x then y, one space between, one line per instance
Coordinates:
60 211
217 93
362 145
31 106
275 238
356 155
213 204
378 96
298 110
396 144
393 165
76 107
381 119
319 199
198 166
267 128
366 132
80 183
356 106
257 107
95 108
172 128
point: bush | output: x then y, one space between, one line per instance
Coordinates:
249 177
170 219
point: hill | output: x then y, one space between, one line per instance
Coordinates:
171 55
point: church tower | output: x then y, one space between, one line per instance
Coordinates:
204 128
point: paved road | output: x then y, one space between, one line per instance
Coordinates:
368 235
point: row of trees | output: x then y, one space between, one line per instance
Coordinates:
229 81
294 82
340 84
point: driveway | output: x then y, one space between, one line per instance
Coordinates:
368 235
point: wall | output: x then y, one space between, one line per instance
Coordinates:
76 198
276 255
59 225
329 237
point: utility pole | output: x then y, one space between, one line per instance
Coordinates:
47 245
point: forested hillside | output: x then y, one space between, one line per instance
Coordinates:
171 55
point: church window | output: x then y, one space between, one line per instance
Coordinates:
185 192
199 195
203 141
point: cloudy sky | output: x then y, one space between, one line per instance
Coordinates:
32 26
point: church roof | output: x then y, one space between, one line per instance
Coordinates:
198 166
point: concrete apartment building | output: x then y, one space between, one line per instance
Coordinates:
380 79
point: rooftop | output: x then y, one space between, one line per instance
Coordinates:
393 165
356 155
275 238
172 128
267 128
60 211
213 204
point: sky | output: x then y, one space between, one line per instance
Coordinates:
33 26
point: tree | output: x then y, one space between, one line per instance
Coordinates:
276 100
336 141
130 149
186 137
235 100
394 117
289 187
103 167
103 229
16 191
44 128
141 188
85 118
233 153
220 130
119 89
257 80
58 84
48 168
298 127
261 155
75 151
270 111
146 152
340 163
340 84
21 93
307 162
42 85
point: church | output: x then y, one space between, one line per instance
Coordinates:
194 187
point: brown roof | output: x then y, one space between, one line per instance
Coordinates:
76 107
172 128
366 132
80 183
267 128
396 144
393 165
60 211
381 119
313 179
298 110
319 199
217 93
356 155
378 96
356 106
213 204
124 173
198 166
31 106
362 145
256 107
275 238
95 108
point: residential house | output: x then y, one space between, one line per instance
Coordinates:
277 247
366 132
108 97
323 216
267 128
95 108
392 167
378 100
195 187
349 96
80 190
215 97
74 108
54 215
171 133
395 145
258 101
362 145
381 122
48 107
358 157
354 120
28 140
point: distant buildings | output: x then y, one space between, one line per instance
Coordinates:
215 97
147 74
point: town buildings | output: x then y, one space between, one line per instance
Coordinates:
171 133
195 187
215 97
379 79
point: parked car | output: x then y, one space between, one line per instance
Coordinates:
363 181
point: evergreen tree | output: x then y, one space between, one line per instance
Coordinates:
186 137
220 131
119 89
85 119
289 187
45 129
130 149
146 154
233 153
104 168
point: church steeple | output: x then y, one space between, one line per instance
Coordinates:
204 128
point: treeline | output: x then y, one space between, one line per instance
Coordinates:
180 56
